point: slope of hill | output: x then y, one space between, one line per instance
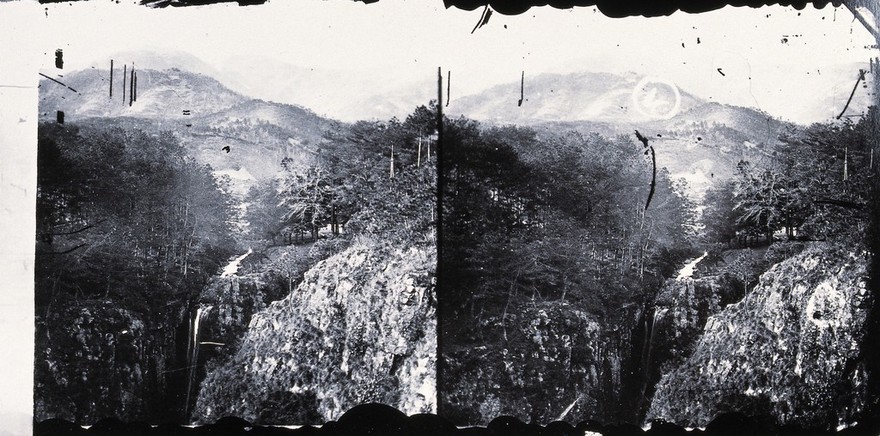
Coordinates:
697 141
160 94
703 144
259 135
344 94
204 114
603 97
292 119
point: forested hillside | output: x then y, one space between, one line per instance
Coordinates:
133 236
559 297
543 236
129 228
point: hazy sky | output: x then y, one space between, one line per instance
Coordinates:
765 54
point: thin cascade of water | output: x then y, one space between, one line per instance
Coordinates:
658 313
193 352
683 277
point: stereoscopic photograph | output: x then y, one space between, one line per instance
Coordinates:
278 212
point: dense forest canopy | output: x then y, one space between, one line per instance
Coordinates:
556 217
815 185
122 212
369 178
129 230
550 223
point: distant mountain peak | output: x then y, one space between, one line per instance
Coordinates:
160 61
579 96
234 134
167 94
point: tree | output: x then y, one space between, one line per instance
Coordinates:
264 213
719 217
124 211
760 199
308 199
813 184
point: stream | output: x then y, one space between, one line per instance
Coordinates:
647 328
232 268
687 271
194 342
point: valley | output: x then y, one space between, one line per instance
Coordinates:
213 254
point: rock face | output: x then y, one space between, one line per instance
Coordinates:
233 301
789 349
558 363
101 361
681 310
360 327
561 362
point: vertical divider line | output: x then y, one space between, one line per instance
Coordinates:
439 291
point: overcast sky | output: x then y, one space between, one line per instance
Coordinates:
774 58
768 55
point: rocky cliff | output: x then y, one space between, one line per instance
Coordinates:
789 349
360 327
681 310
233 300
97 359
557 362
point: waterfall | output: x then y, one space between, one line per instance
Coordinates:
658 313
228 276
651 315
647 335
193 352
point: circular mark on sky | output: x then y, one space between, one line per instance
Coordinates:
656 98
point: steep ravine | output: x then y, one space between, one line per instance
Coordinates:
675 322
561 362
219 321
789 349
360 327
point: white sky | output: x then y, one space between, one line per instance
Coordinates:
400 42
396 42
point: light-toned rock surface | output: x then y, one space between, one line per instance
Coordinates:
789 349
361 327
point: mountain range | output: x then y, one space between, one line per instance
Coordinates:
351 95
696 140
601 97
204 114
